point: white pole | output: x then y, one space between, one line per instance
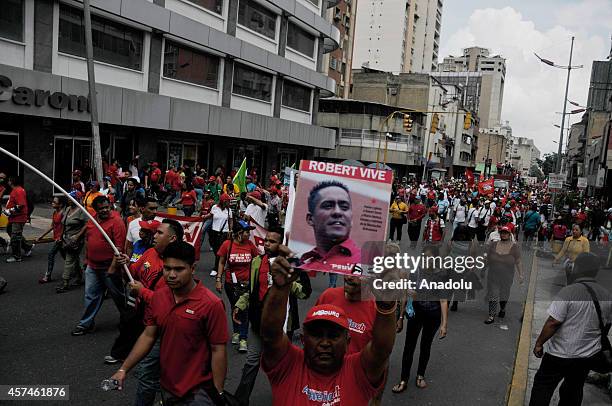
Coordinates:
106 237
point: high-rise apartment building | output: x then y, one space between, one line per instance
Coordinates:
338 63
483 78
179 82
398 35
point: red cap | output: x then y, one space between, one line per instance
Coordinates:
327 312
225 198
505 228
212 179
256 194
155 164
150 225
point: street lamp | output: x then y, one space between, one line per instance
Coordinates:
569 68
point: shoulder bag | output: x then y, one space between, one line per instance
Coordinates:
602 361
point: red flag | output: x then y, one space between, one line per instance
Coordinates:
192 229
487 187
470 177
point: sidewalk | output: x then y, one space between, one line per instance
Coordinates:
550 281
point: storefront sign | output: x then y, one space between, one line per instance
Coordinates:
555 182
582 183
25 96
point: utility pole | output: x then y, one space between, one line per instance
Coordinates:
93 101
569 71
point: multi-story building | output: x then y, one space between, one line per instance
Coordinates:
483 78
398 35
207 82
493 148
339 62
524 154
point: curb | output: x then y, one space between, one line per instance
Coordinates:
518 387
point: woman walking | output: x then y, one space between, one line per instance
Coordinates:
398 211
504 257
188 199
235 258
58 204
221 225
573 246
430 313
74 222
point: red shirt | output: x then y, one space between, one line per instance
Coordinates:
188 198
206 206
56 223
339 259
361 315
416 211
294 384
239 261
17 197
99 252
146 270
155 175
112 172
187 330
264 281
433 230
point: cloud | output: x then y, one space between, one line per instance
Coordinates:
595 13
533 91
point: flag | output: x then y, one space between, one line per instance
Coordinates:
192 229
486 187
240 177
258 237
469 175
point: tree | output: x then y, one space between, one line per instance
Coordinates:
535 171
549 163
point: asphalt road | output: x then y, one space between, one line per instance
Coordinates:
472 366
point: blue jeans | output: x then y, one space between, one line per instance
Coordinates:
97 281
55 247
147 373
333 278
199 194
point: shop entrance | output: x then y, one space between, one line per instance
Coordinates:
69 153
10 142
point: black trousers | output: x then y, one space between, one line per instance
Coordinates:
215 239
396 227
573 372
428 322
481 233
130 327
414 231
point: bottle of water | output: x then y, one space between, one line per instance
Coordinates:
109 384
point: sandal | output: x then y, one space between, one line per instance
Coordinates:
420 382
400 387
489 320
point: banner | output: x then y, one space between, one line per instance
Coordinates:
258 236
469 175
487 187
192 229
340 216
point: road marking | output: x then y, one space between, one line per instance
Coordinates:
518 387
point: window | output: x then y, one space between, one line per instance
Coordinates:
252 83
189 65
296 96
212 5
11 20
333 63
113 43
315 2
257 18
300 40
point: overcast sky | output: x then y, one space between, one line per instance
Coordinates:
518 28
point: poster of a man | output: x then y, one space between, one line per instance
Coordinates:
339 210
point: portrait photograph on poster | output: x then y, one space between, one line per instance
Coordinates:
339 217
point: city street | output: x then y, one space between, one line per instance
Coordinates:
38 348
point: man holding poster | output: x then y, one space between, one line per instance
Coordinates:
346 207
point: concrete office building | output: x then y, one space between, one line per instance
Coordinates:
339 62
178 81
483 78
398 35
524 154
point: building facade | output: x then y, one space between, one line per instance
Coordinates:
483 79
493 146
524 154
206 82
398 35
339 62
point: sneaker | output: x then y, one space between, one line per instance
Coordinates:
11 259
213 273
243 347
44 279
110 360
81 330
235 338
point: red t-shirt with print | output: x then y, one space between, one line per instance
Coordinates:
293 383
239 260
